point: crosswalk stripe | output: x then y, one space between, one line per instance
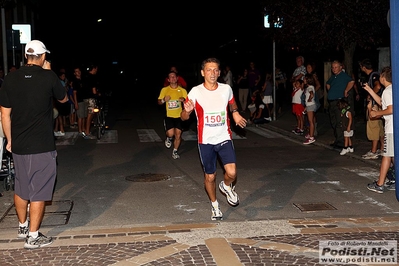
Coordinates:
263 132
148 135
110 136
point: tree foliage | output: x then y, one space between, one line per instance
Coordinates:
321 24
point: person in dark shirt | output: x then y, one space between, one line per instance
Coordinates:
28 94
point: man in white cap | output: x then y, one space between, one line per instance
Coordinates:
28 94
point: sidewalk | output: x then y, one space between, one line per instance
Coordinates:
286 121
267 242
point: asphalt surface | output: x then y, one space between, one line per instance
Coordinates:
264 242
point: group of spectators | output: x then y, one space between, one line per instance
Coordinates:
83 93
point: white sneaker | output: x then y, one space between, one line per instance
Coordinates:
216 214
350 149
168 143
175 155
231 195
344 151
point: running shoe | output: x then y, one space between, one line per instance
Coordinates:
375 187
344 151
370 155
390 185
231 195
216 214
23 231
175 155
310 140
168 143
38 242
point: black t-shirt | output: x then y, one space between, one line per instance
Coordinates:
29 92
77 86
373 77
89 82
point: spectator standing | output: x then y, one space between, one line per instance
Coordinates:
386 101
267 92
30 138
211 101
298 106
173 96
311 107
338 87
281 87
374 126
300 70
347 120
63 110
253 78
80 105
90 85
243 89
311 69
228 76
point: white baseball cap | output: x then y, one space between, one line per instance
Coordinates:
35 47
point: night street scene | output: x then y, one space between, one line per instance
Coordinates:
199 133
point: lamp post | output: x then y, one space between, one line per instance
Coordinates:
273 22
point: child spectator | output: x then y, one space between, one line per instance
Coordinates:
259 111
297 106
347 125
311 107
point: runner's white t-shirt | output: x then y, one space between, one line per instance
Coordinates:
212 111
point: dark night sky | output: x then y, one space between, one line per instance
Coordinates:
146 32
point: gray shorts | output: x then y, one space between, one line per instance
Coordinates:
311 108
35 175
82 111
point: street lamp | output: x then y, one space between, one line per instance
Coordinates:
273 22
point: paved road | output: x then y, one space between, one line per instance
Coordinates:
292 196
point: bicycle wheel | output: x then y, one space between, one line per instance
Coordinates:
98 129
7 183
102 123
12 182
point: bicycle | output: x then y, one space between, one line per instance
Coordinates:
99 119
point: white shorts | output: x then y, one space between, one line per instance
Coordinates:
267 99
348 134
252 107
388 150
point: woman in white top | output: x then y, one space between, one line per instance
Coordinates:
311 107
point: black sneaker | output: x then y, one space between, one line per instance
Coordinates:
38 242
376 188
390 185
23 231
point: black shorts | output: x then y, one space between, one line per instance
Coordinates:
170 122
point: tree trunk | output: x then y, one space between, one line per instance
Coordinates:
349 52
